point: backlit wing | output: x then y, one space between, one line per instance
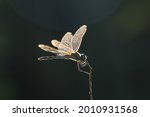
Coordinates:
65 44
67 40
77 38
49 49
55 43
53 50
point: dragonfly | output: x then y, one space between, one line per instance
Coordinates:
67 49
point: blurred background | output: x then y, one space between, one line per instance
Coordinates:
117 44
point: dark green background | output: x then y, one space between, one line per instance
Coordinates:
117 45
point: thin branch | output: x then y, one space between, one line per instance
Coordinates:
90 82
90 78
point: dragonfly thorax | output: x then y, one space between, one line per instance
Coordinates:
81 58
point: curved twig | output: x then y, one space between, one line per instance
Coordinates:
90 78
90 82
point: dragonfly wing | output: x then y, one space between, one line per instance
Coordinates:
67 40
61 51
77 38
48 49
66 44
55 43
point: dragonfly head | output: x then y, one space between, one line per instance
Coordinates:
83 57
83 60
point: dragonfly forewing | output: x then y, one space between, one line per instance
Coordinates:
77 38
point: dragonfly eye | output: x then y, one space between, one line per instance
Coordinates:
83 57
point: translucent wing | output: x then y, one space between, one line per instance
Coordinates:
66 44
55 43
67 40
50 49
77 38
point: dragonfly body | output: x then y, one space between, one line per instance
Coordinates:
77 57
